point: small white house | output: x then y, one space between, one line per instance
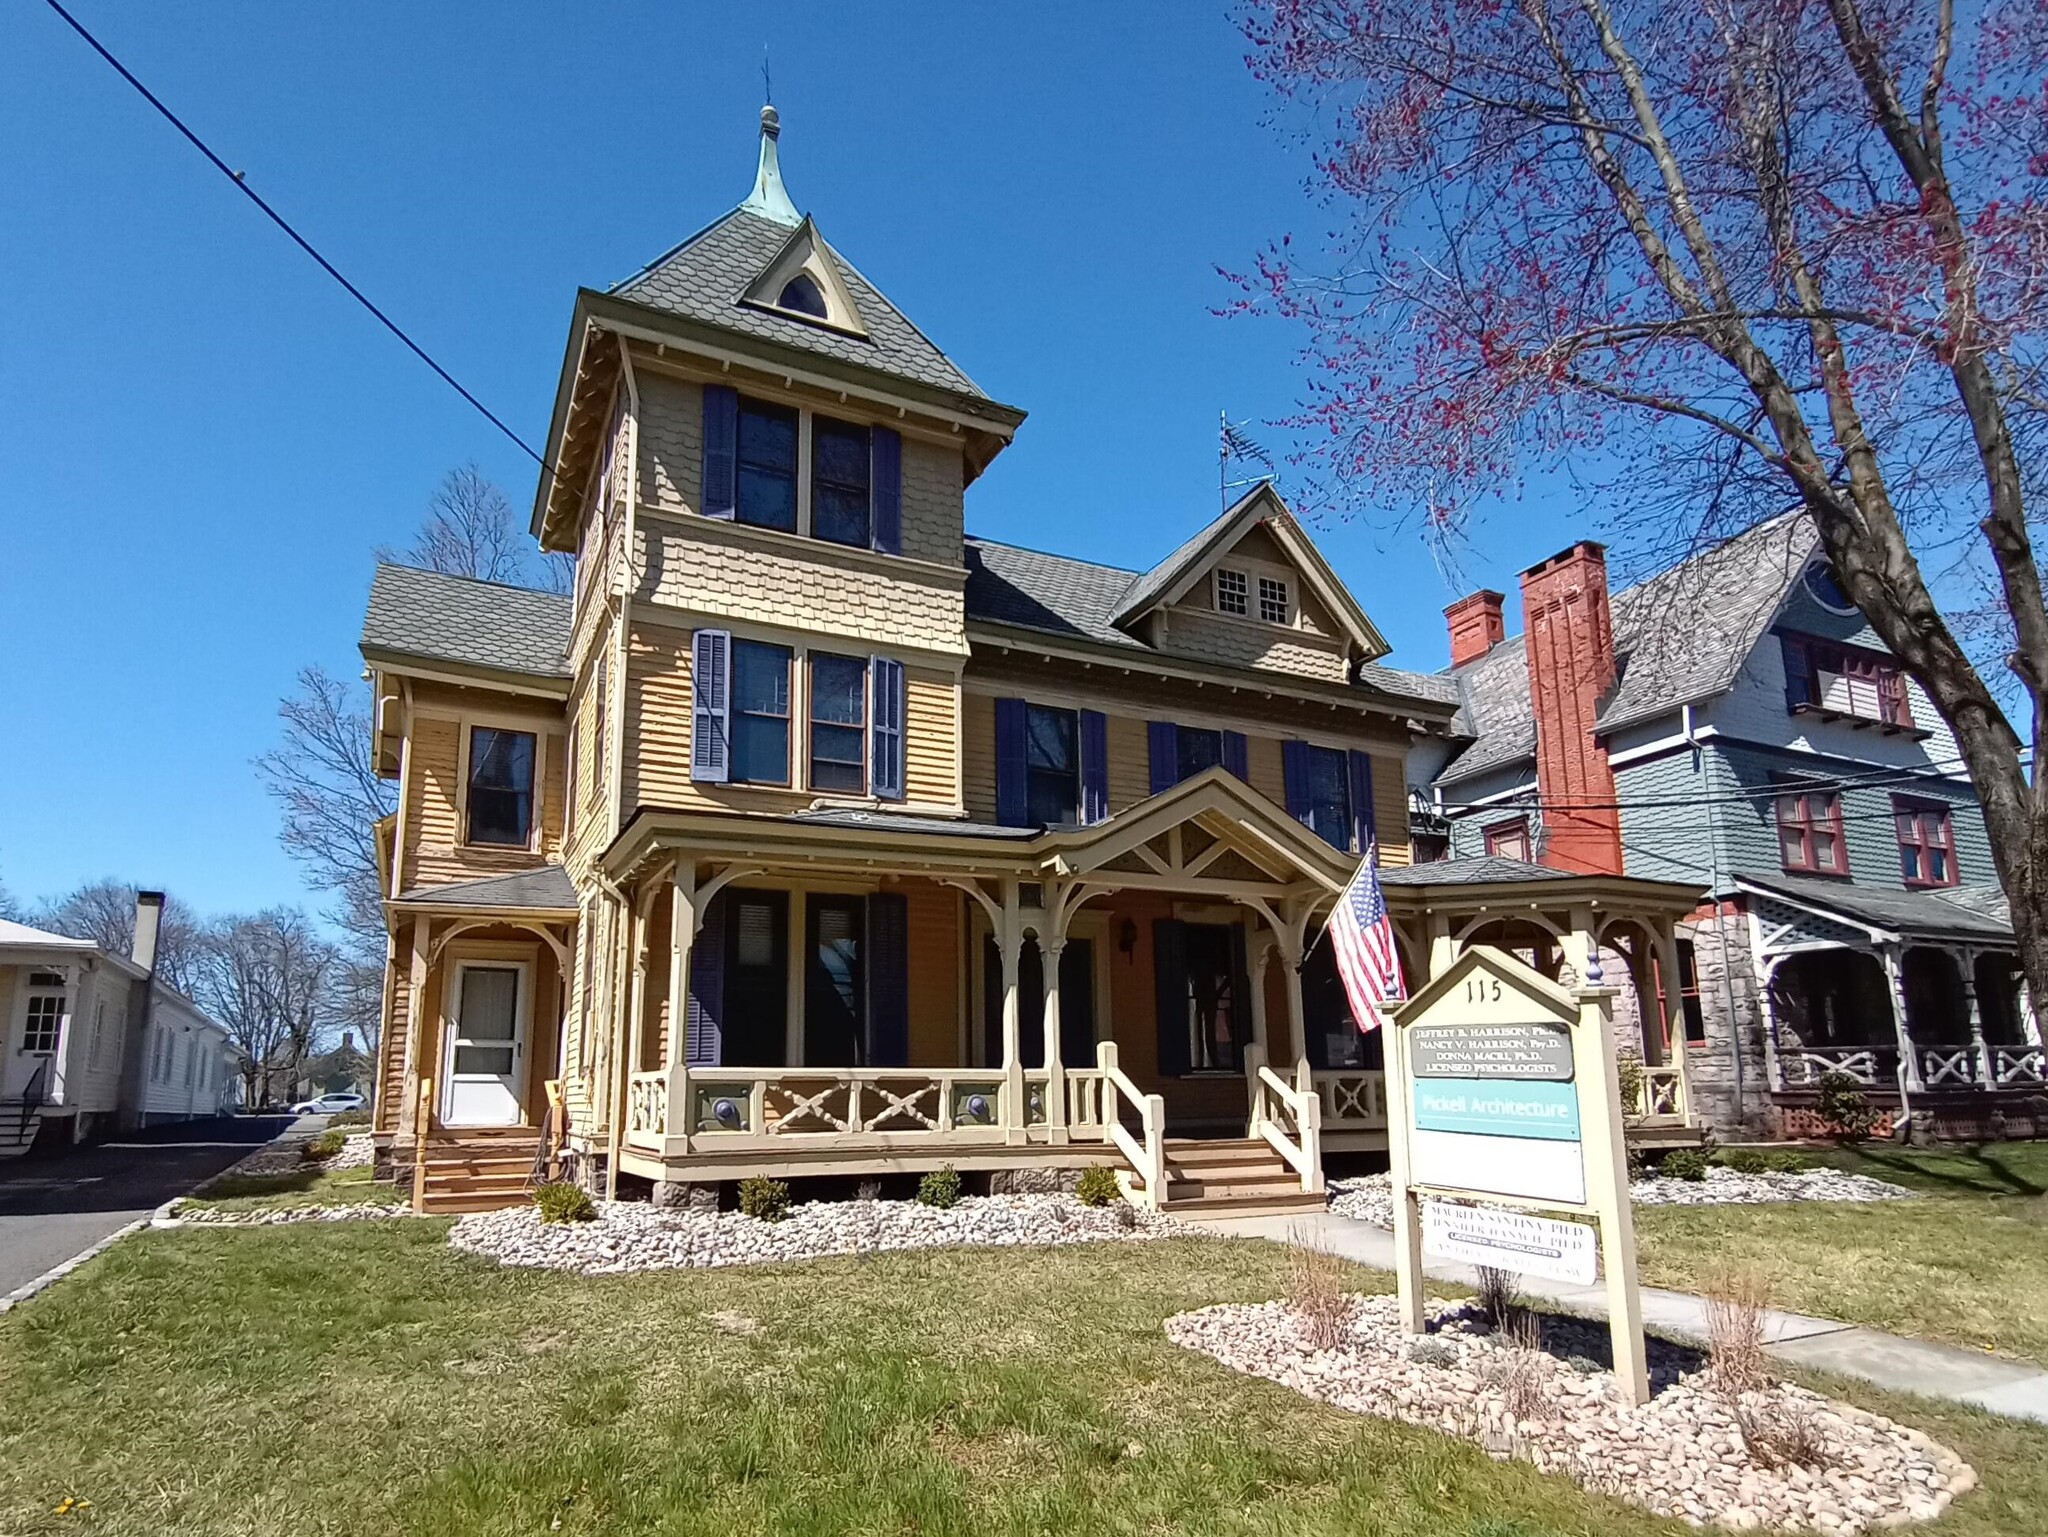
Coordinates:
91 1041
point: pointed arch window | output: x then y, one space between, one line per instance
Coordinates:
802 294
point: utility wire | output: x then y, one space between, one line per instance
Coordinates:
1797 782
242 184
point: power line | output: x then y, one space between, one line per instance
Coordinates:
241 183
1798 781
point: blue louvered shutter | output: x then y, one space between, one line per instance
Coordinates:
721 450
705 1013
888 968
1362 830
1294 778
711 706
885 736
1235 755
1013 800
1094 767
1798 672
1162 741
885 493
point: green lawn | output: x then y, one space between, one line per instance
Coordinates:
367 1379
1963 1264
310 1186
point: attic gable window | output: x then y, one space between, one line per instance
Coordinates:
1842 682
1233 592
802 294
1273 600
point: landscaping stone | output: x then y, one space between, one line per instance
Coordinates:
213 1216
632 1236
1682 1455
1370 1197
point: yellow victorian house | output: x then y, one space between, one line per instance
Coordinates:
814 836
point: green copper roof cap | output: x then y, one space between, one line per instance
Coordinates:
770 199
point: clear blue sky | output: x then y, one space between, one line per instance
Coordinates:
204 439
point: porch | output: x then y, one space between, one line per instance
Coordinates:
1916 995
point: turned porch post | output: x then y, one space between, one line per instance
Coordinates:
421 1042
682 939
1262 952
1050 949
1672 1006
1010 946
1987 1072
1909 1057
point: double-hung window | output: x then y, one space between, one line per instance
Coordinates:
500 786
1329 794
760 713
839 723
841 481
1052 767
1510 840
1233 592
1273 600
1810 830
1196 750
1927 842
766 466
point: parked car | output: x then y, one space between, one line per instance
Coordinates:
329 1104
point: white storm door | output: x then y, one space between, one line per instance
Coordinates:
487 1056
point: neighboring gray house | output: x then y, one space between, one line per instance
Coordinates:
1734 722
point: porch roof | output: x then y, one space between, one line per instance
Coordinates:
1971 917
547 890
1488 882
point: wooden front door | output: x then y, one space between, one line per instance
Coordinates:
487 1049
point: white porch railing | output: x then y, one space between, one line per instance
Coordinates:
1288 1117
725 1109
1353 1099
1147 1157
1660 1097
1802 1067
1954 1066
2018 1064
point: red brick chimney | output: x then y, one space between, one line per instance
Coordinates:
1570 641
1476 626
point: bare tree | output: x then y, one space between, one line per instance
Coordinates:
470 530
10 906
103 911
270 978
1745 254
326 787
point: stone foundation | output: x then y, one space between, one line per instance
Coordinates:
1039 1181
681 1195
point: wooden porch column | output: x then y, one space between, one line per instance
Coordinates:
638 949
1049 952
1987 1073
1262 952
682 939
1442 948
1296 1013
1673 1010
1581 947
420 1041
1909 1058
1010 946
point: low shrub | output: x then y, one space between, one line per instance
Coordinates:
348 1118
940 1188
1432 1351
1098 1187
1786 1163
1844 1107
764 1198
1750 1160
323 1147
1683 1163
1633 1081
561 1201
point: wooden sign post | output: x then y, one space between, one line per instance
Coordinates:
1504 1125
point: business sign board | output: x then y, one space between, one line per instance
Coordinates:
1512 1240
1504 1120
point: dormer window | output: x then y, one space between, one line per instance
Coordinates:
1273 600
1233 593
802 294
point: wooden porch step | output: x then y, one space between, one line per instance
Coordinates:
483 1169
437 1203
1268 1205
1231 1177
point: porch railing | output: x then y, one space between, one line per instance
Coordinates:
1948 1066
719 1109
2018 1064
1802 1067
1940 1067
1660 1099
1353 1099
1146 1151
1288 1116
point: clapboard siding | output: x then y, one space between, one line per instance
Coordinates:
434 853
934 919
930 746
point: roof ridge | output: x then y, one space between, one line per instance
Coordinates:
1032 549
475 581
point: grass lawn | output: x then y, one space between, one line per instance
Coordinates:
309 1186
1964 1264
367 1379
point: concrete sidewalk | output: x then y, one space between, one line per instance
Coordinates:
2010 1388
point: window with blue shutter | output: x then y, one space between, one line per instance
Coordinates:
711 707
1236 757
721 450
1361 802
887 736
1318 785
886 448
704 1015
1094 767
1162 740
888 969
1013 801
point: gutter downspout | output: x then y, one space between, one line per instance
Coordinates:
1715 879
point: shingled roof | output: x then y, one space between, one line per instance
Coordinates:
1679 636
1057 595
1955 915
428 616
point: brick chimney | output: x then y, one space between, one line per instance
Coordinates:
1570 641
1476 626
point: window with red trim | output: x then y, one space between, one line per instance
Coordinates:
1927 842
1510 840
1834 680
1810 831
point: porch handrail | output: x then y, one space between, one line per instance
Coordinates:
1085 1090
1801 1067
1278 1105
1147 1158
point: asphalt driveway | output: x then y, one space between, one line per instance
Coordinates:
53 1208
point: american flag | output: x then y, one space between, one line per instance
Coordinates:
1362 935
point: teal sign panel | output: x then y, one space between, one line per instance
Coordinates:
1494 1107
